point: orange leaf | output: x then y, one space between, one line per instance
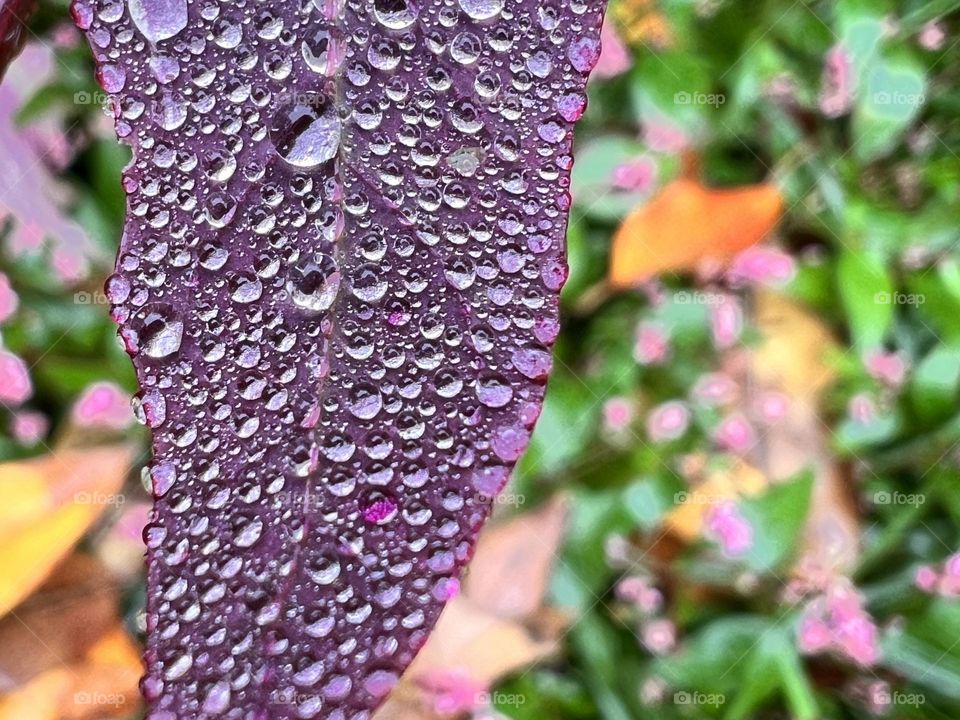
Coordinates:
46 505
102 685
687 222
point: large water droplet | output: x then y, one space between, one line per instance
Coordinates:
161 334
158 19
395 14
307 133
482 9
313 284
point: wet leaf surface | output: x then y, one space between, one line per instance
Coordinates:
338 281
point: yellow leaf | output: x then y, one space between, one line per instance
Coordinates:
686 223
46 505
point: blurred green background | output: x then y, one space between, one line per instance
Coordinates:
741 500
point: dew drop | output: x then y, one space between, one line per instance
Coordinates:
395 14
307 133
313 285
158 19
161 334
481 9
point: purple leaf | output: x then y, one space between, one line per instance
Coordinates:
339 282
13 28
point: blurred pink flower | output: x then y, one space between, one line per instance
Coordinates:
453 692
889 368
659 636
771 406
637 591
862 409
926 578
635 175
729 529
132 521
65 35
103 404
668 421
15 385
878 697
8 299
652 345
932 36
761 265
715 389
615 57
735 434
836 621
836 95
945 583
617 414
726 322
653 691
950 580
663 136
29 427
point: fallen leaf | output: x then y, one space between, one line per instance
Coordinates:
59 623
686 223
793 358
46 505
489 631
509 578
102 685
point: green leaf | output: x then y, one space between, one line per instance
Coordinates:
867 292
933 389
892 97
922 663
777 517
